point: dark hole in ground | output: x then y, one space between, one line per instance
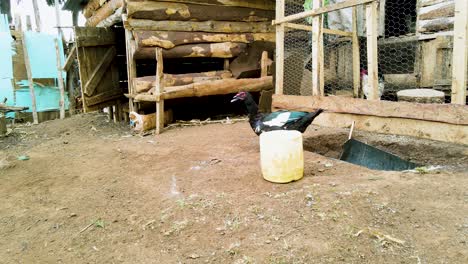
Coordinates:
420 151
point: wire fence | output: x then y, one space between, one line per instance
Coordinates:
403 63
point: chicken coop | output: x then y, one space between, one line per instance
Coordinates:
333 54
172 50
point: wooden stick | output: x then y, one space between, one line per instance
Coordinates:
263 64
131 67
69 61
460 54
321 55
322 10
37 15
159 90
226 64
356 57
27 63
324 30
28 23
279 61
60 81
351 130
372 57
316 25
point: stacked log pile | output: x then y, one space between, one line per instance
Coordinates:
103 13
204 29
436 16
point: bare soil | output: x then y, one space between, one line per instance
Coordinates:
92 192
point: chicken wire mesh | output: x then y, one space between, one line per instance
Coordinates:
399 51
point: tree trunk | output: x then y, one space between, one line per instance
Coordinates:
215 50
144 84
206 26
184 12
170 39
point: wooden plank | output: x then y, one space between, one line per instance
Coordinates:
103 97
99 71
257 4
156 10
70 59
397 126
324 30
316 26
279 58
60 81
158 91
441 113
356 57
321 54
30 81
460 58
322 10
372 57
205 26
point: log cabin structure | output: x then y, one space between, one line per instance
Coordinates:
176 49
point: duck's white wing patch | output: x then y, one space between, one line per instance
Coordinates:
280 120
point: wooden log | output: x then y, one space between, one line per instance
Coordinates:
205 26
142 123
218 87
460 54
159 89
446 9
144 84
170 39
257 4
444 113
91 8
185 12
279 57
316 45
105 11
424 3
60 81
436 25
207 88
215 50
423 96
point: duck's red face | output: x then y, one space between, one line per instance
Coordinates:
239 96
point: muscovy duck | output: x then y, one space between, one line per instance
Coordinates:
365 83
281 120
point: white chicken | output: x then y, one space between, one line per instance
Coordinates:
365 83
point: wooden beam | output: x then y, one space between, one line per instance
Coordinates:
324 30
460 57
279 58
372 56
27 63
441 113
356 57
257 4
158 91
99 71
316 26
204 26
69 61
60 81
92 41
321 10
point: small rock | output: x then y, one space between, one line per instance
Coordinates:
194 256
268 242
73 215
328 165
333 184
321 170
23 157
65 142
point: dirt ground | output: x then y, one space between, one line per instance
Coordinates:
91 192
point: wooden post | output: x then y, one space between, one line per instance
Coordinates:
118 111
37 15
372 59
460 54
263 64
316 24
356 56
30 81
60 81
226 64
57 16
131 67
28 23
321 54
279 60
159 89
